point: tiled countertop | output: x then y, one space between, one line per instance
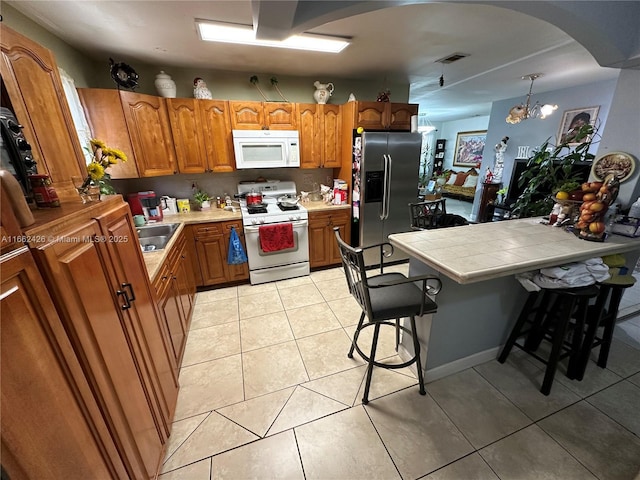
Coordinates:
484 251
153 260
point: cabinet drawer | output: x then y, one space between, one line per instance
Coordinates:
229 225
208 229
161 282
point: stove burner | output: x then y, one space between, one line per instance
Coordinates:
288 207
253 209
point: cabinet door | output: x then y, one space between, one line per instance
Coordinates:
30 76
148 125
280 115
80 279
150 346
371 115
103 111
186 285
212 256
310 138
323 248
45 429
319 248
234 272
187 135
247 115
171 312
400 115
341 219
216 128
330 136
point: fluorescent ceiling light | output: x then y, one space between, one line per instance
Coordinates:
426 129
245 35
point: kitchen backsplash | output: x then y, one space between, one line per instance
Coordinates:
214 184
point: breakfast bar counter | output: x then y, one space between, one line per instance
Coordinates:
480 297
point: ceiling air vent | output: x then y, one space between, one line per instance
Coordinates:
454 57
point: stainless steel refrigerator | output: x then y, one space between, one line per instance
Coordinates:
385 180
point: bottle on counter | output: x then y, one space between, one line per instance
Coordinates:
634 211
16 198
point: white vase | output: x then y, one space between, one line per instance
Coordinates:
165 86
323 92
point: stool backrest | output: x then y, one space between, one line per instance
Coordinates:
427 215
355 272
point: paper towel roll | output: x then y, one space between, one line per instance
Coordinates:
414 123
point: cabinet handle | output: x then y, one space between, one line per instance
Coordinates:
132 296
127 304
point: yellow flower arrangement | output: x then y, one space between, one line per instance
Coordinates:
102 158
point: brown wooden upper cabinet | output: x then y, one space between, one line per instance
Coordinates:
32 82
263 115
104 114
380 115
150 132
201 134
319 127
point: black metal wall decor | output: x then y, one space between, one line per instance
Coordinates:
124 75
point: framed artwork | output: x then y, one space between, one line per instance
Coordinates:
469 147
573 119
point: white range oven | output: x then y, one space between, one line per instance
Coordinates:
278 213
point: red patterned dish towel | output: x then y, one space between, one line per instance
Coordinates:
276 237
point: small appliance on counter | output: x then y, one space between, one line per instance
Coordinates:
168 205
145 203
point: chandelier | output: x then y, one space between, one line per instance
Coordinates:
525 111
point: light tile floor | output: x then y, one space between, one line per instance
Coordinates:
267 392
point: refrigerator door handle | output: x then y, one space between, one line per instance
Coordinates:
383 205
387 185
385 190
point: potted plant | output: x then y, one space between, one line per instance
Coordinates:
202 199
549 169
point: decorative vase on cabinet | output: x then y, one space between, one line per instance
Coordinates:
165 86
323 92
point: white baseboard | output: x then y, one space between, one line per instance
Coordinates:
433 374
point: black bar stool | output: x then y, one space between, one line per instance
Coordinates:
548 314
603 314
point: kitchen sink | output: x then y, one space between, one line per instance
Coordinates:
156 237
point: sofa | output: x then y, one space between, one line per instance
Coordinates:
460 184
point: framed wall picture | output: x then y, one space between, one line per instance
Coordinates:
469 147
573 119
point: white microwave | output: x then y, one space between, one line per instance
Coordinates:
266 148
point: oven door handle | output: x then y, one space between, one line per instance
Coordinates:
296 223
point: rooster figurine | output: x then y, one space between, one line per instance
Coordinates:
200 89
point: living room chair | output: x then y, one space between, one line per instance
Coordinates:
432 214
428 214
385 297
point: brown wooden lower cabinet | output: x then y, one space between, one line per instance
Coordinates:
323 249
52 425
176 288
95 382
211 242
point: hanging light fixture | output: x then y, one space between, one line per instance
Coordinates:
526 111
